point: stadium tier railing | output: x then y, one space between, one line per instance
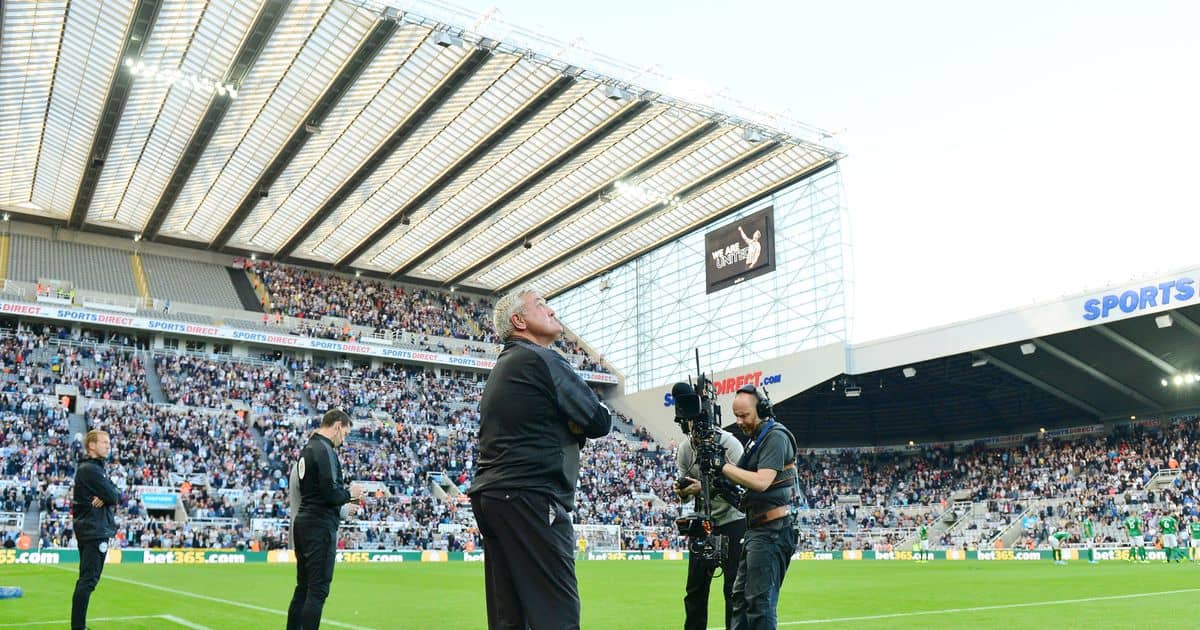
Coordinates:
12 520
15 289
1008 536
98 301
1164 478
981 524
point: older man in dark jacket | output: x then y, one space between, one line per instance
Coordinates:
94 506
536 414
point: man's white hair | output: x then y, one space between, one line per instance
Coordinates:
513 303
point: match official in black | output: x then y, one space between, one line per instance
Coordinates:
729 522
767 470
93 506
536 414
316 484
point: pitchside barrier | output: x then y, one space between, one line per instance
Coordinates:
229 556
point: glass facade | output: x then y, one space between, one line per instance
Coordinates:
647 316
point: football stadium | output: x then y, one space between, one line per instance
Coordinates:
224 219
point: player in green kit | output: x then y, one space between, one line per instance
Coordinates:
923 533
1194 529
1089 537
1137 542
1168 526
1056 542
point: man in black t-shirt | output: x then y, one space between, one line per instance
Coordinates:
767 470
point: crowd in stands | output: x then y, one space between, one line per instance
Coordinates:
301 293
164 445
201 382
15 498
240 425
402 393
37 360
1063 481
35 445
627 486
329 304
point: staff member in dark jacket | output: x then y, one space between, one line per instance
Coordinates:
536 414
316 487
93 506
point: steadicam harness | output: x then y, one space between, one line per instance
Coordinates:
786 477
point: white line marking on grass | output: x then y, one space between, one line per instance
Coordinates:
229 602
184 622
946 611
68 621
218 600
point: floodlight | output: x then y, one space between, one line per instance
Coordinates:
617 93
446 40
753 135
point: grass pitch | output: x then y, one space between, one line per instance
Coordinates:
626 594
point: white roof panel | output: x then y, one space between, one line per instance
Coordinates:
478 141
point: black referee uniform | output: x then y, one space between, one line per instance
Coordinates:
93 528
317 477
524 489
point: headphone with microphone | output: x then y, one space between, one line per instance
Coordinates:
763 405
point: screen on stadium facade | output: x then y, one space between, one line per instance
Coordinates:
740 251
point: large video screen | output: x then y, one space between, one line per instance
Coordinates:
740 251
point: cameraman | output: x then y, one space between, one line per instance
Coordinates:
729 522
767 469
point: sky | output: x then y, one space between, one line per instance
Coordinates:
998 154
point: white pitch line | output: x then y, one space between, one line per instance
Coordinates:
184 622
218 600
946 611
226 601
67 621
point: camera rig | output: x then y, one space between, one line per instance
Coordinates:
699 417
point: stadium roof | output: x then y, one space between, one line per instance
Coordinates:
355 136
1130 351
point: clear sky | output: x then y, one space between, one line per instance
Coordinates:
998 153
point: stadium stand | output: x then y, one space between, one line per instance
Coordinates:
305 294
985 494
186 281
236 468
217 445
201 382
299 301
85 267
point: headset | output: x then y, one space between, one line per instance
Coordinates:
763 406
